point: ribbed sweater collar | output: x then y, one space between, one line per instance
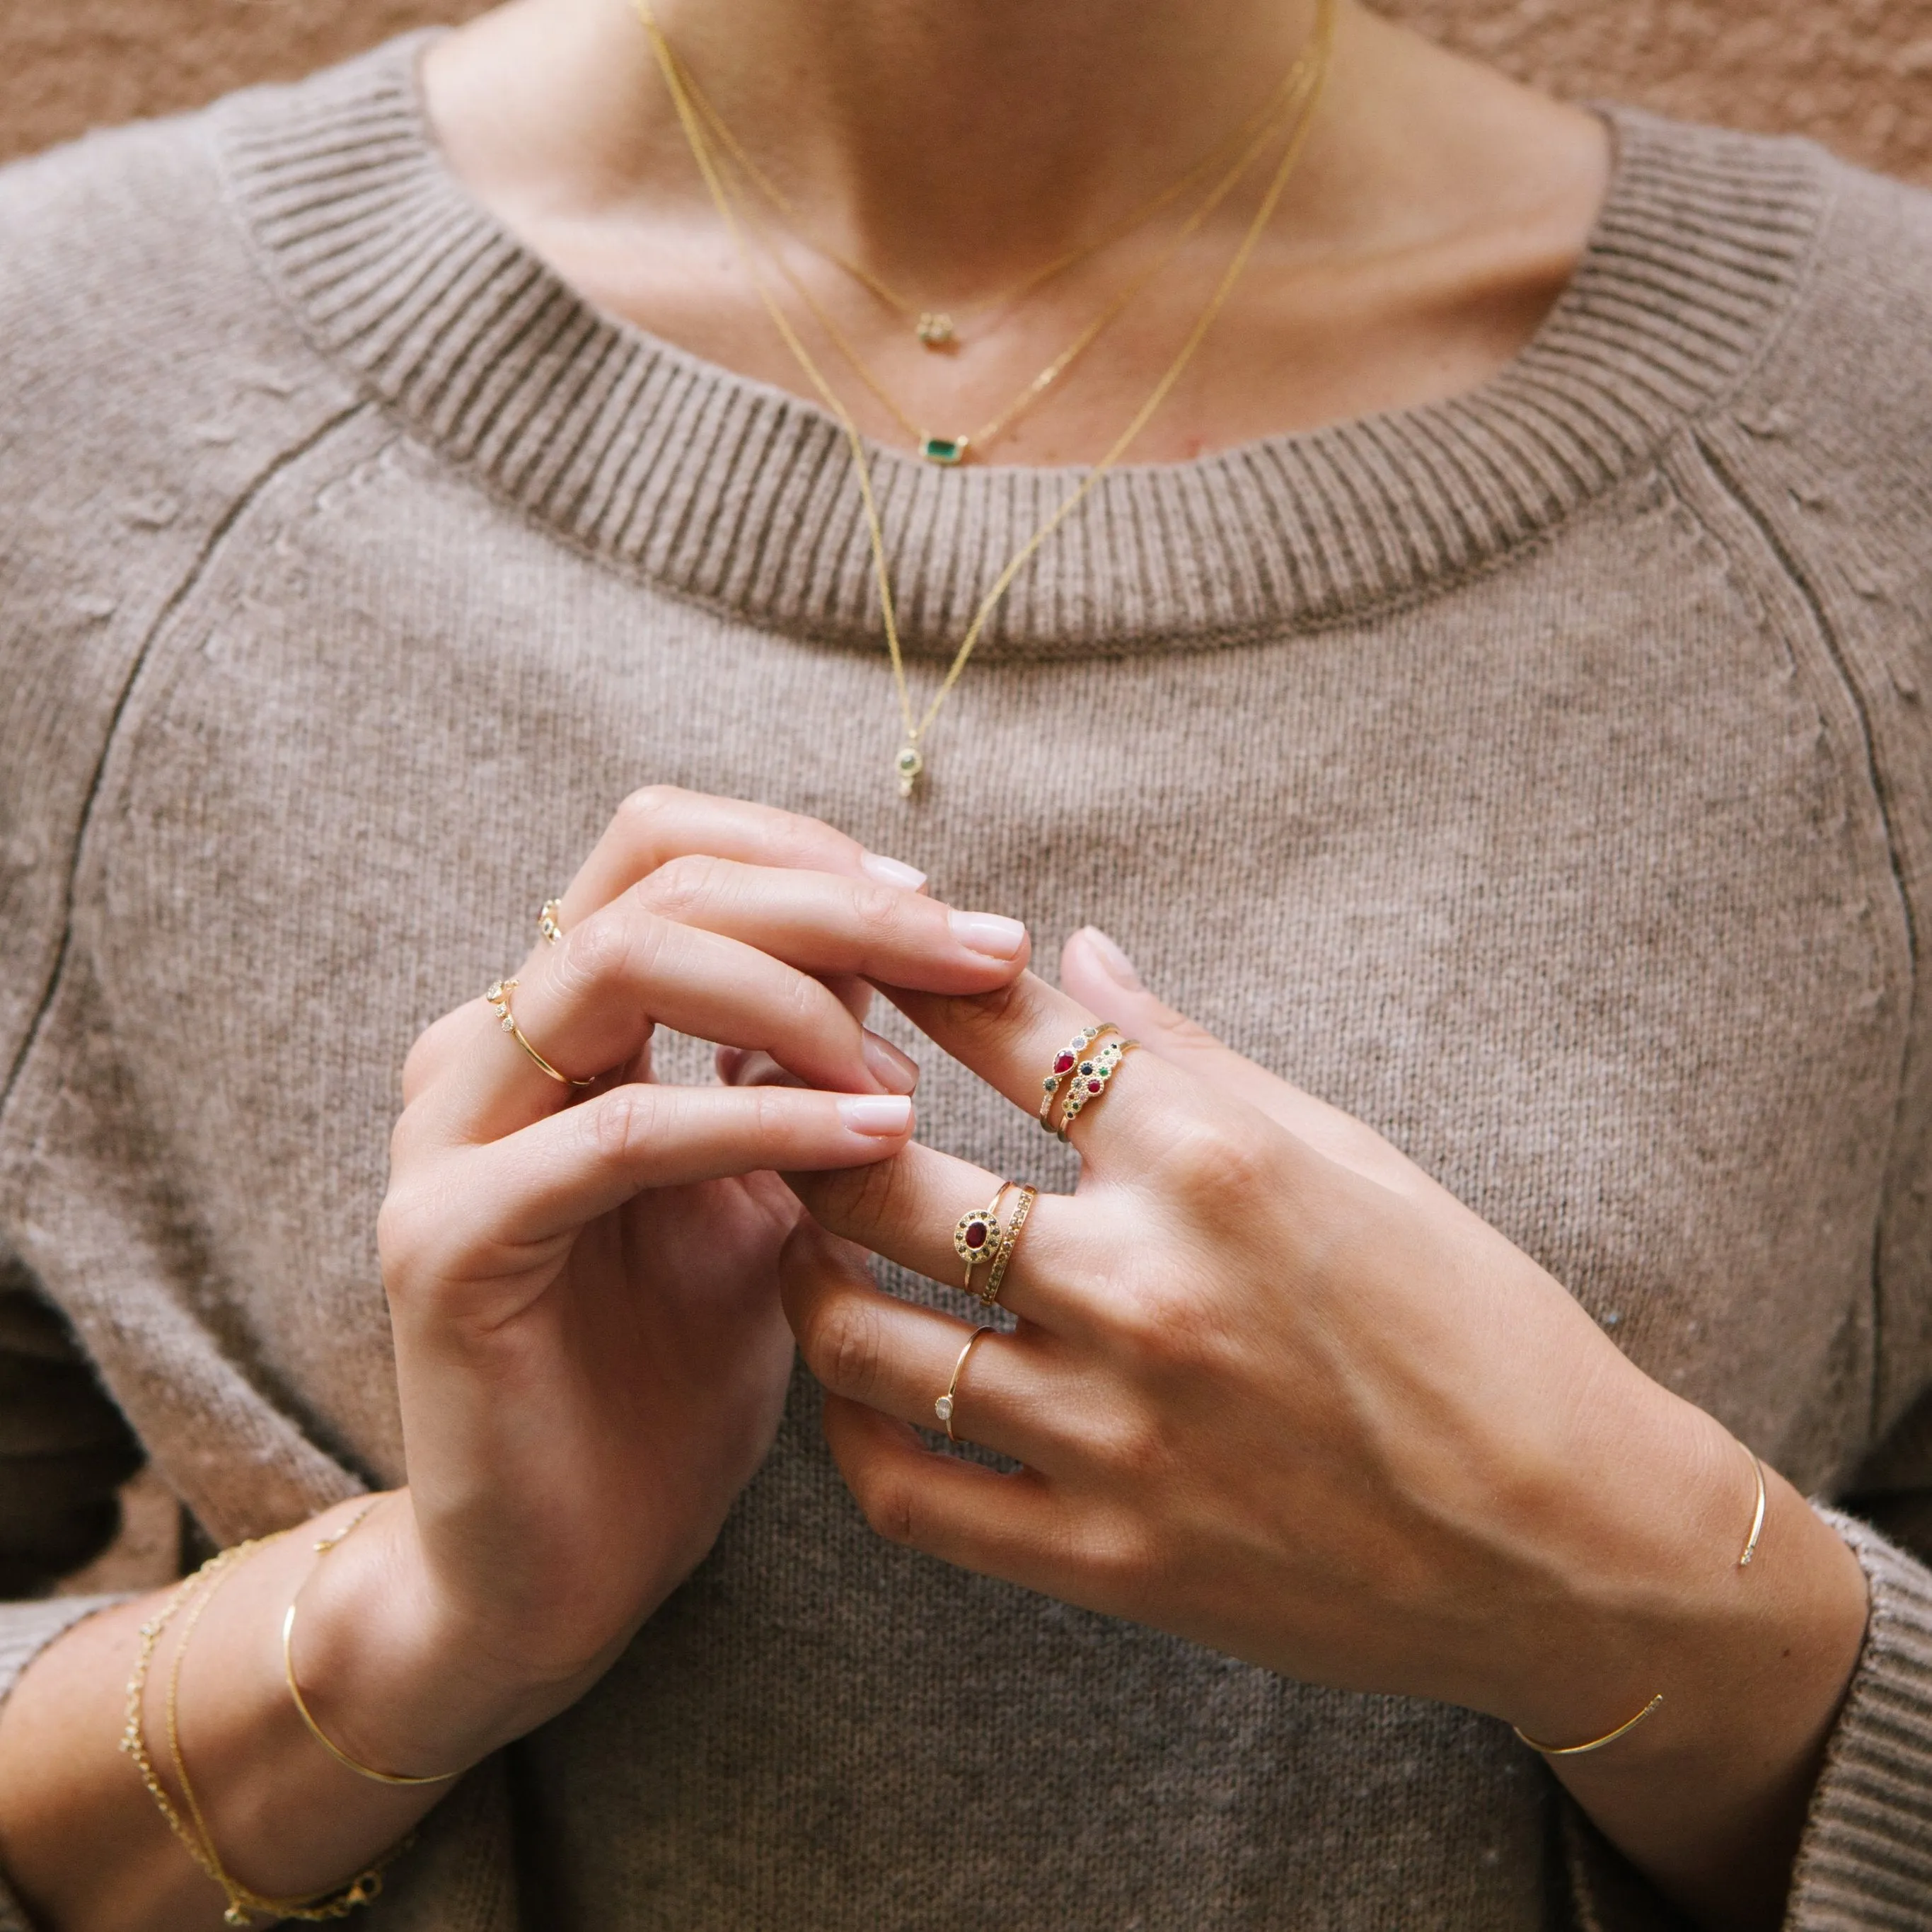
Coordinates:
734 493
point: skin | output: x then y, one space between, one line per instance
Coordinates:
1316 1414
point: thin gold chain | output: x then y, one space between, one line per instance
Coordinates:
1283 104
911 762
1259 122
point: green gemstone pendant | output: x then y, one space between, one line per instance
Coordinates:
908 765
946 449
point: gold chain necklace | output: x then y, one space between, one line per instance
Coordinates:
911 761
937 328
952 450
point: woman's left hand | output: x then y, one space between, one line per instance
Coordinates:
1275 1391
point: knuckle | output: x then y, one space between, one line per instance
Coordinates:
773 1115
840 1342
1213 1162
612 950
619 1124
683 887
890 1504
640 816
879 914
409 1236
1133 1446
1122 1558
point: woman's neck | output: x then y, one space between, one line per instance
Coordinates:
1437 211
953 147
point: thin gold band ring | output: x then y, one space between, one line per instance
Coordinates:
947 1403
499 998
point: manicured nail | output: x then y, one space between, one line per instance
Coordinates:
987 932
1119 968
888 1113
894 1071
890 872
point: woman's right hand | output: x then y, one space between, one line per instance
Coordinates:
590 1352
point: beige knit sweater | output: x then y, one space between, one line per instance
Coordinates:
1545 776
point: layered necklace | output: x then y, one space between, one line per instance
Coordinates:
1236 156
1289 115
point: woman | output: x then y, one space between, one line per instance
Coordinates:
1490 697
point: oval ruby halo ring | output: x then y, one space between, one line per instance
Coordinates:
976 1236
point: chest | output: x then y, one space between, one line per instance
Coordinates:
1582 898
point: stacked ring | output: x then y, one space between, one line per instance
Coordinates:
996 1274
1065 1063
1090 1079
976 1237
499 998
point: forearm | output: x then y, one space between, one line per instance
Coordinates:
84 1842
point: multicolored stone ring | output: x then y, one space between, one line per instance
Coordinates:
1065 1063
976 1237
1088 1080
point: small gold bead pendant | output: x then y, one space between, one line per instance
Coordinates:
908 765
935 328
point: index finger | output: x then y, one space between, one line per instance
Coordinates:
660 823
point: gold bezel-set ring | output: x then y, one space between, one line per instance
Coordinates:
979 1238
976 1235
944 1407
1064 1063
550 921
498 998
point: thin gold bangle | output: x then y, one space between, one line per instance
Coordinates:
1595 1744
322 1737
1757 1514
1631 1724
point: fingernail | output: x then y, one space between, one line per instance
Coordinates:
890 872
866 1115
1119 968
987 932
893 1070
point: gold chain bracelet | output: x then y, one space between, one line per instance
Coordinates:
196 1592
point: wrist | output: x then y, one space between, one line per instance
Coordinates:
398 1676
1708 1794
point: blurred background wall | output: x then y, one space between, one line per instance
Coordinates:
1856 74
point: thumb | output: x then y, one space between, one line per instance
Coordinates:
1095 971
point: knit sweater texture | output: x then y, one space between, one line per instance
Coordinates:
1544 776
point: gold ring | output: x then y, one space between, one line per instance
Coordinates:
1022 1208
943 1407
550 921
499 998
1088 1080
975 1236
1064 1062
